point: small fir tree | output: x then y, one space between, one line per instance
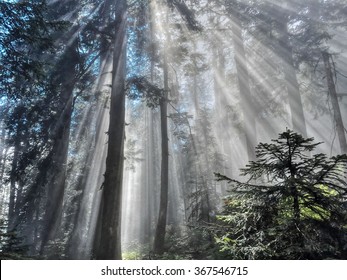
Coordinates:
292 207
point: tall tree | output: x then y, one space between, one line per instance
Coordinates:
247 104
159 239
109 246
26 41
335 102
66 77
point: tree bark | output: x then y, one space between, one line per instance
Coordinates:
159 239
245 92
56 174
109 245
335 103
14 180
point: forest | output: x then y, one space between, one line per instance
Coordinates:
173 129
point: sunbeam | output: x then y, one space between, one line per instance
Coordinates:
173 129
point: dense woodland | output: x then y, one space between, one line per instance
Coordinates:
173 129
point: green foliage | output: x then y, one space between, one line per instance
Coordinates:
25 36
141 88
292 206
130 255
196 243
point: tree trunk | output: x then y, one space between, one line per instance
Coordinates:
335 103
3 150
109 239
159 239
245 92
57 172
3 187
13 180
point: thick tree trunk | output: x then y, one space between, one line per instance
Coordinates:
109 238
57 172
74 248
245 92
159 239
335 103
14 177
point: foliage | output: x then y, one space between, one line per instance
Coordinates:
292 206
196 243
132 155
141 88
186 13
25 35
182 129
11 247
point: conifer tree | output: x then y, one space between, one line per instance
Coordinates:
293 209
